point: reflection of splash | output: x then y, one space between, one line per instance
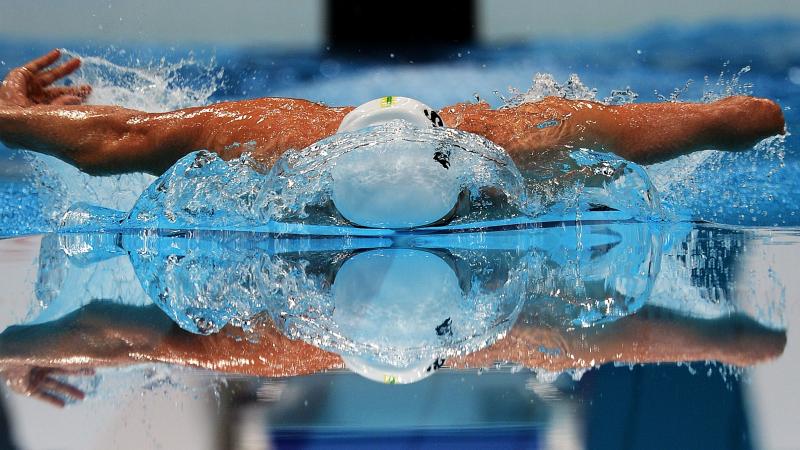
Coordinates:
161 87
711 274
205 280
558 279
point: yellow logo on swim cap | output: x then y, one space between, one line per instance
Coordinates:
389 379
387 101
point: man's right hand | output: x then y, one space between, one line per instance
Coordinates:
30 84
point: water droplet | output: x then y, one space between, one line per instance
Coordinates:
794 75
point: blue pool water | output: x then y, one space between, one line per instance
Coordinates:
656 310
646 67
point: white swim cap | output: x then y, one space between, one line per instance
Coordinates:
401 302
395 184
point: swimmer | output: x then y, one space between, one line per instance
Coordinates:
102 140
34 358
413 187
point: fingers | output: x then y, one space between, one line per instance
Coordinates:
42 61
54 391
47 78
54 386
50 398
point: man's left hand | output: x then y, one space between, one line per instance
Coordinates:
30 84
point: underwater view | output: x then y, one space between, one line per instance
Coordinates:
410 285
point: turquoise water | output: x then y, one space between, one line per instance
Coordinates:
649 306
752 188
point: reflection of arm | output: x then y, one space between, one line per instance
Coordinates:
105 334
650 335
274 355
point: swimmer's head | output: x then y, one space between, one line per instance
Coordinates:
404 303
402 184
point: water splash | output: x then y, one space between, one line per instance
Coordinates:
726 84
159 86
744 196
676 94
743 190
204 191
621 96
545 85
744 182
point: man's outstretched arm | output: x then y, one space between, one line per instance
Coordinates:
103 140
110 139
641 132
107 139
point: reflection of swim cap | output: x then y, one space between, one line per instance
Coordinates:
401 302
397 184
384 373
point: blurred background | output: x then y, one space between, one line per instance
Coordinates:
304 24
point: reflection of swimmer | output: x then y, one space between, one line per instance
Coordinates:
396 314
403 312
651 335
107 139
103 334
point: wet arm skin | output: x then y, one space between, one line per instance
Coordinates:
105 334
103 140
651 335
108 139
642 132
